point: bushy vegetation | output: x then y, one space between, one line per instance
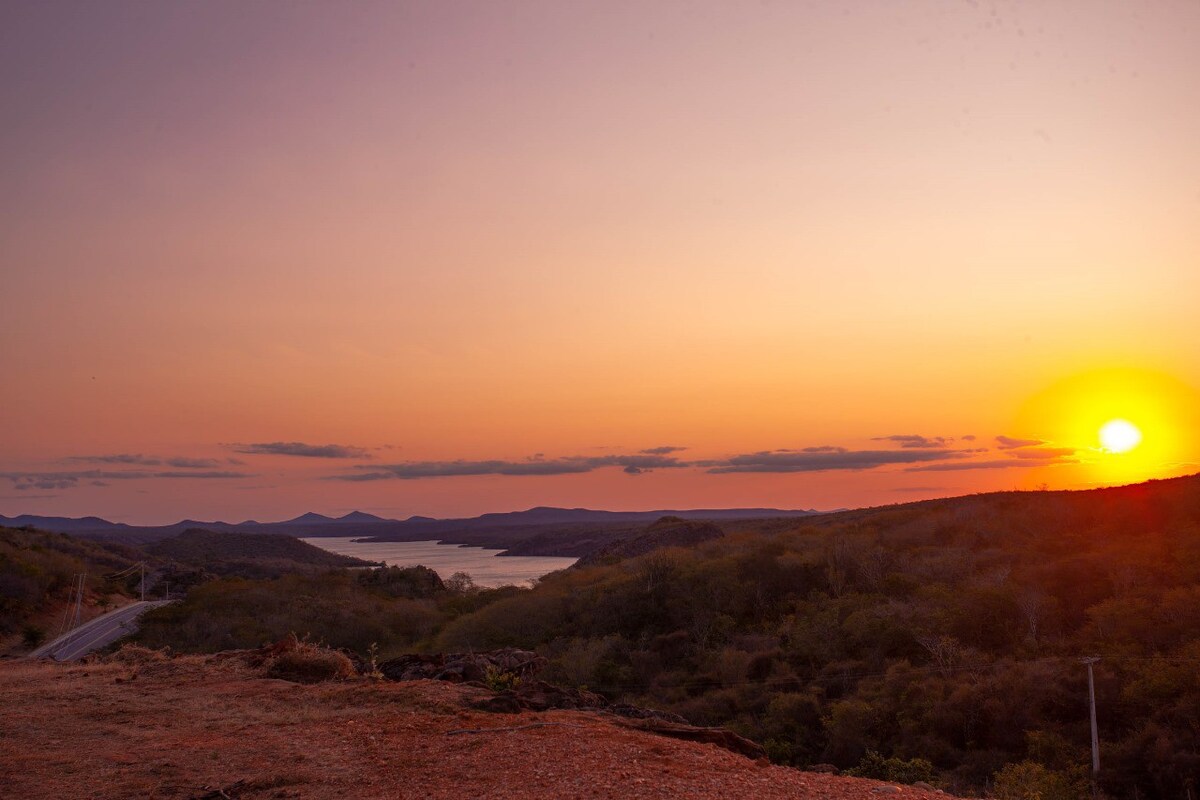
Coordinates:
332 607
894 769
392 609
304 662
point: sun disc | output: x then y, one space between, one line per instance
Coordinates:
1120 436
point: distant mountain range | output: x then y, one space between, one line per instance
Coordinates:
97 524
540 531
541 515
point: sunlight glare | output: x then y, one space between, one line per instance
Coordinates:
1120 436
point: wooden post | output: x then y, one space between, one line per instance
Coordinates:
1090 660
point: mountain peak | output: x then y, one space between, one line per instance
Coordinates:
311 518
360 516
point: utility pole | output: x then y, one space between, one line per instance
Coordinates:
68 612
78 601
1090 660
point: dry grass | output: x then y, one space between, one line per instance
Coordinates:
308 663
133 654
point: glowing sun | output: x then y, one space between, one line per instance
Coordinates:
1119 436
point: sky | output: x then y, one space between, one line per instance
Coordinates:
446 258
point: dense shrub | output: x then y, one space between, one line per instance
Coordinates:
32 635
1029 780
335 608
873 765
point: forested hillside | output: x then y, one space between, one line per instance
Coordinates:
948 631
37 572
38 569
937 639
264 555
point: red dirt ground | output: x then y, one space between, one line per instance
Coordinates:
185 727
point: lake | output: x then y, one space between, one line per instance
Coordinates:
483 565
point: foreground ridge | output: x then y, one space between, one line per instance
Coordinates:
142 724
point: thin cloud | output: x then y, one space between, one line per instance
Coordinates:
1009 443
24 481
131 459
538 465
1043 452
139 460
192 463
825 459
202 475
302 449
1012 463
661 451
915 441
809 459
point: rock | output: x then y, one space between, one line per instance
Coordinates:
828 769
500 704
529 694
463 667
637 712
542 696
923 785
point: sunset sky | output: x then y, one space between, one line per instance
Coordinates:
445 258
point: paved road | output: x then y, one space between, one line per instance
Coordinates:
96 633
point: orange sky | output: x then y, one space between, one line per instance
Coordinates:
449 237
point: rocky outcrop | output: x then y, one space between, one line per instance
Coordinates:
718 736
516 669
464 667
540 696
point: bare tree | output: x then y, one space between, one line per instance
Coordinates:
1031 602
946 651
655 569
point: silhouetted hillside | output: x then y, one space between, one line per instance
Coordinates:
62 524
248 555
666 532
541 531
